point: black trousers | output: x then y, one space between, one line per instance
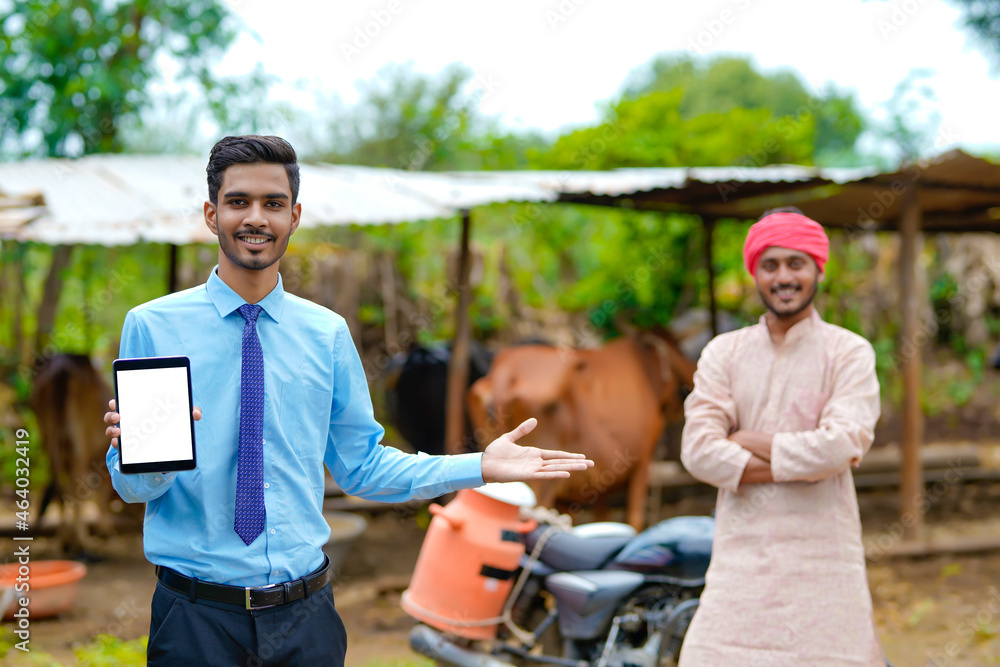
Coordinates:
305 632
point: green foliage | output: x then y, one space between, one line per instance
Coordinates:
11 655
982 17
111 651
723 84
910 124
651 132
407 120
74 69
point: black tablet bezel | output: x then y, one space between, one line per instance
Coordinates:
122 365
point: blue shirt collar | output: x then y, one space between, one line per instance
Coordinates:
227 301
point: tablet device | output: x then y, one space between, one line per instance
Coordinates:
153 397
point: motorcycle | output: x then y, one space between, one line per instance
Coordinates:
595 594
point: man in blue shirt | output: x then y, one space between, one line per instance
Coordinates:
238 541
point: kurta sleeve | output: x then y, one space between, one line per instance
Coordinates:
846 424
710 415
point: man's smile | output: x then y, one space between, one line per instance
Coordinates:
254 240
786 292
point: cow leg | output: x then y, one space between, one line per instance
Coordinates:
600 509
65 531
545 494
638 494
105 524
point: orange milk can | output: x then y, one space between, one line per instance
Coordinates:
469 560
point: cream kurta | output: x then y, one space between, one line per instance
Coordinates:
787 582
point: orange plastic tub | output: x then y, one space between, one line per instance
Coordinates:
469 559
53 586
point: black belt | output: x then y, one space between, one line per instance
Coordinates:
248 597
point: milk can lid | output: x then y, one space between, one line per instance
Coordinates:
518 494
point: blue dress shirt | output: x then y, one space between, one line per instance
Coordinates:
317 410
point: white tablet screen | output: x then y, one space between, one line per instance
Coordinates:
155 415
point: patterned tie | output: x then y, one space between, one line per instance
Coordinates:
250 468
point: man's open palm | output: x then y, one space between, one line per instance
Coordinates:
506 461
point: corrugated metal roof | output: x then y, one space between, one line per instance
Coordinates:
124 199
956 192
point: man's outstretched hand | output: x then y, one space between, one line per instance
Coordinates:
506 461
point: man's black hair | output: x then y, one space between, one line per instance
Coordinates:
250 149
780 209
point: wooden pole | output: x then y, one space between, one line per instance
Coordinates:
387 276
172 279
912 482
458 366
709 226
61 256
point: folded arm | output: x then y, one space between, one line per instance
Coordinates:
846 425
710 415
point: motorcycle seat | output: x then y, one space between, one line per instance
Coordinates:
567 552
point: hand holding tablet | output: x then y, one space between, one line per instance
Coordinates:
152 417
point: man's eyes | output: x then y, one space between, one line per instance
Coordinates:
773 266
274 203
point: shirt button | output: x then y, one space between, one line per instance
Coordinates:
159 479
266 485
264 441
273 531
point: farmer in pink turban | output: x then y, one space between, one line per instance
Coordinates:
780 413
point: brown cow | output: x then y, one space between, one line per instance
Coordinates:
69 399
610 403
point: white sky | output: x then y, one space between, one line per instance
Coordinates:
549 62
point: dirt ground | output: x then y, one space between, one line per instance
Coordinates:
940 610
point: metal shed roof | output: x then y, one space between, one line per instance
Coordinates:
956 192
124 199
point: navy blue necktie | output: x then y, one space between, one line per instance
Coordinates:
250 513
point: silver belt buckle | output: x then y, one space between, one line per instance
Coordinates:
250 589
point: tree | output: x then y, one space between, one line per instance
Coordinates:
911 121
652 131
725 83
982 17
407 120
75 69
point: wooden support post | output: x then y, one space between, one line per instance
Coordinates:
709 226
172 275
458 367
387 275
61 256
910 348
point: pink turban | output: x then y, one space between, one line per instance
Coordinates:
786 230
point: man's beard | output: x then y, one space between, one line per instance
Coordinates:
805 304
255 262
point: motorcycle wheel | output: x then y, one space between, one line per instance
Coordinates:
670 648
